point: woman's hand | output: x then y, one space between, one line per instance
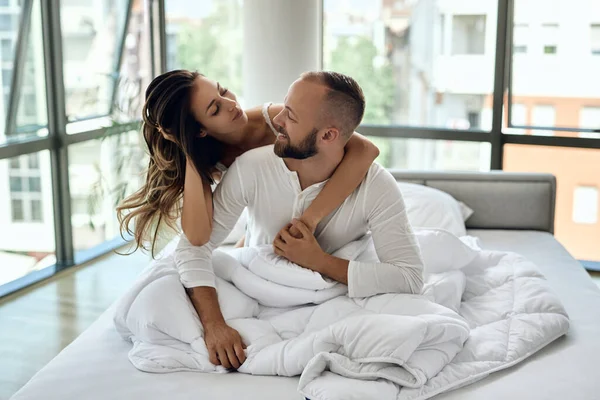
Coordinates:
311 224
304 251
225 345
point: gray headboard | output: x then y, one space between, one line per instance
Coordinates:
501 200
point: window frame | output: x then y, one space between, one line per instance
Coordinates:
57 140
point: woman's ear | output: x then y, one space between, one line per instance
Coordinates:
202 133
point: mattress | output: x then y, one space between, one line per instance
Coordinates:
95 365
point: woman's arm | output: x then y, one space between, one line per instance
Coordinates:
360 154
196 217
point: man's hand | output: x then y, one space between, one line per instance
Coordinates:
304 251
225 345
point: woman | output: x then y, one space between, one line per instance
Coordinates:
194 129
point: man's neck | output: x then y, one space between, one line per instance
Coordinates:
315 169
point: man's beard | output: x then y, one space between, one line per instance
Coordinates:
304 150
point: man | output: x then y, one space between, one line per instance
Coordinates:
322 110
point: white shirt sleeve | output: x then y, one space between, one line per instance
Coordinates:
194 263
400 269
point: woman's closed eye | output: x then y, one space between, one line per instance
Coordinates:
224 91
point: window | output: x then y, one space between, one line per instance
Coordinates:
25 206
36 211
519 114
101 173
518 118
14 163
589 117
401 72
33 161
567 80
91 35
6 22
29 105
6 76
206 35
17 210
30 116
550 38
423 154
542 116
595 39
473 118
16 184
585 205
520 38
442 34
4 3
468 34
576 172
35 184
6 49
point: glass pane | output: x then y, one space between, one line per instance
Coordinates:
35 184
423 154
16 183
36 210
134 73
595 39
206 35
27 234
17 210
577 206
555 67
92 32
101 172
31 118
468 34
421 63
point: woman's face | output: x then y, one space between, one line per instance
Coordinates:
216 108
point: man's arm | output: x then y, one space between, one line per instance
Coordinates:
400 269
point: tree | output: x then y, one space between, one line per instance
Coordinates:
213 46
357 57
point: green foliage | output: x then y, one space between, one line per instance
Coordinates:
213 47
356 57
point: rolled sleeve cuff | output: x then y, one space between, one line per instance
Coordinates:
191 279
354 287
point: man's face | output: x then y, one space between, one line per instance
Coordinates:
298 135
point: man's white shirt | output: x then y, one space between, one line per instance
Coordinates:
261 181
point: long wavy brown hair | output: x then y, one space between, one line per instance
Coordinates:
172 135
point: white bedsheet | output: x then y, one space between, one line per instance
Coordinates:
385 347
95 366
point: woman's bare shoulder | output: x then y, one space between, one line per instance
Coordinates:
275 109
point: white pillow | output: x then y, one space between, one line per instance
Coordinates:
442 251
431 208
465 210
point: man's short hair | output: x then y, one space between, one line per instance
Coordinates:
344 102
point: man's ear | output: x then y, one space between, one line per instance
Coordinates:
331 134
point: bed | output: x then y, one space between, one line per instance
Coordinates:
513 212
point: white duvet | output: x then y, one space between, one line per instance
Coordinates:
480 312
